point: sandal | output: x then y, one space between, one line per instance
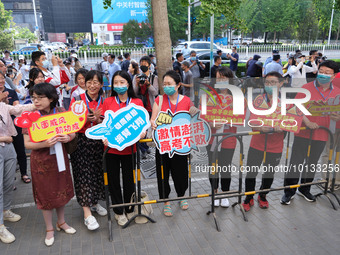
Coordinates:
167 211
25 179
184 204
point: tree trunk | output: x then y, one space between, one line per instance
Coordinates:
252 36
162 38
337 34
278 38
265 37
274 38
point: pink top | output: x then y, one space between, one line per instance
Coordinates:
6 124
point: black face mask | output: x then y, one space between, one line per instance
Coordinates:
144 68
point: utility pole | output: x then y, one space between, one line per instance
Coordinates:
330 26
36 30
189 23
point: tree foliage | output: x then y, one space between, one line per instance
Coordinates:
132 32
24 33
6 36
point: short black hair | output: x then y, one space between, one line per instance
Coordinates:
126 76
219 51
145 58
36 55
120 57
191 52
225 71
311 52
174 75
126 55
297 51
275 74
330 64
276 57
3 61
178 55
34 73
293 60
216 58
234 47
186 63
112 56
48 90
81 71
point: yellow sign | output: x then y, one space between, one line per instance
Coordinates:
60 123
322 108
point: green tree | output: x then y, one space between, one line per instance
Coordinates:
6 41
6 36
130 32
24 33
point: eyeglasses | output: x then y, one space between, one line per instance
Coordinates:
95 83
272 83
325 73
38 98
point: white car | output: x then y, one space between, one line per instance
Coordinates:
59 45
199 46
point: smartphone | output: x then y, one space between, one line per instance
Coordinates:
90 111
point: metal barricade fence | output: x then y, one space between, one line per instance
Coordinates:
228 194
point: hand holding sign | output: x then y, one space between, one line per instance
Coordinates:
163 118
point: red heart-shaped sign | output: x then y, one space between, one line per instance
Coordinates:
22 122
25 114
33 116
81 118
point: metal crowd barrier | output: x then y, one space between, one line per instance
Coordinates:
229 194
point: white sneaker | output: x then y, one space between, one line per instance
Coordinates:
11 216
121 219
130 215
216 202
225 202
91 223
99 209
5 235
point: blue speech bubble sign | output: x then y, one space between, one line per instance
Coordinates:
121 128
183 134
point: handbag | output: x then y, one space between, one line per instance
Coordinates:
145 209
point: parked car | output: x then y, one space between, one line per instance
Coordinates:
51 47
60 45
199 46
26 50
204 57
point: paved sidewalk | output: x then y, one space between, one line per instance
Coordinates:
300 228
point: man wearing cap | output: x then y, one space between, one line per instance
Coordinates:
273 66
104 64
185 51
23 68
7 58
312 75
270 59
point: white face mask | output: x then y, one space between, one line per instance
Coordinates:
221 84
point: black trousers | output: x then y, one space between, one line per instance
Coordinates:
224 159
298 161
19 146
255 160
177 166
114 163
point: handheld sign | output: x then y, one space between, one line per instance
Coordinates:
180 133
222 112
41 128
121 128
322 108
290 122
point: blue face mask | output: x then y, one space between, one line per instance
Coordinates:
120 90
324 78
269 90
193 58
169 90
46 64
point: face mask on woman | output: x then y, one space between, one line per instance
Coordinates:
169 90
121 90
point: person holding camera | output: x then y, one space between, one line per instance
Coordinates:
195 65
145 86
313 54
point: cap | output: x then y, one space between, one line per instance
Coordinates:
74 55
185 44
151 56
299 55
276 51
6 51
291 54
21 57
104 55
66 62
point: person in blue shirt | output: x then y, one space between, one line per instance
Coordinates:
270 59
113 67
233 60
273 66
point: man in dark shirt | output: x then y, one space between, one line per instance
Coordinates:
217 63
126 62
177 65
233 60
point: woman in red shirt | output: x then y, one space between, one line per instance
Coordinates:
87 158
122 94
257 147
178 164
226 150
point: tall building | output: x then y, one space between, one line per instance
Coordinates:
23 14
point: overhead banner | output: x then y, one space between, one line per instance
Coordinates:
121 128
41 128
180 133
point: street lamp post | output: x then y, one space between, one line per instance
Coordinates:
330 26
36 30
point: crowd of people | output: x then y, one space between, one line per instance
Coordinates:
52 86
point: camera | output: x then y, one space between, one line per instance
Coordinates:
142 78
